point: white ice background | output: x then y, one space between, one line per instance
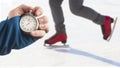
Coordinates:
87 48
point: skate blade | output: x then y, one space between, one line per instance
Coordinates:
57 46
113 28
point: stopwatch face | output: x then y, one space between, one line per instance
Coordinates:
28 23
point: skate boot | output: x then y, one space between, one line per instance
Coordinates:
56 38
106 27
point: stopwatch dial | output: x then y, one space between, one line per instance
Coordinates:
28 23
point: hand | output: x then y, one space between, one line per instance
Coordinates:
37 11
43 27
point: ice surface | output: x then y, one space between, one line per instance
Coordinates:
84 37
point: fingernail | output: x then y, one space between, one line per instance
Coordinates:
41 19
38 13
42 26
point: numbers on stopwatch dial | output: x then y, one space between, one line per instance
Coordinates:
28 23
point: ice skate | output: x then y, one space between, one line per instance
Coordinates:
107 30
51 42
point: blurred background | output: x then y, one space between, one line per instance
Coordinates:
87 48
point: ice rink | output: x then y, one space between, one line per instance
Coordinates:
87 48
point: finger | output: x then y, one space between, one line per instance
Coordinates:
38 33
25 7
44 27
43 24
20 10
37 11
43 20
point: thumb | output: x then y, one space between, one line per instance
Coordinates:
38 33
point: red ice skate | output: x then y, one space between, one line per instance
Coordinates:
106 27
56 38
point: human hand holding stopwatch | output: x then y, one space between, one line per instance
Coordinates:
31 22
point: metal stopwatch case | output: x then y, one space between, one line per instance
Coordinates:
28 23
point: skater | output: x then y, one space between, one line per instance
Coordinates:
77 8
11 37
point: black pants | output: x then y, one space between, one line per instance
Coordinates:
77 8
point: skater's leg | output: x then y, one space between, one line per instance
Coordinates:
79 9
57 14
58 17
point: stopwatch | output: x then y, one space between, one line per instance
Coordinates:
28 23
